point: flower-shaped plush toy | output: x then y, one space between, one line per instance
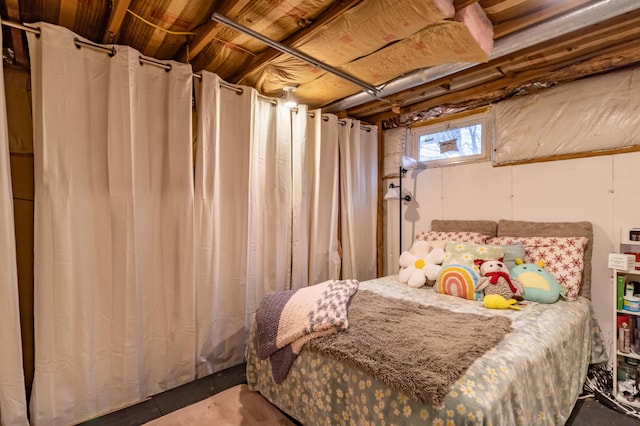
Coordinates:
420 263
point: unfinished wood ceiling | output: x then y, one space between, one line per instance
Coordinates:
424 57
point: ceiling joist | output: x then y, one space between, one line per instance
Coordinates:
461 4
19 48
269 54
116 17
521 22
67 13
208 32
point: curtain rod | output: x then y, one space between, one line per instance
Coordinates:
341 122
142 60
239 90
19 26
111 51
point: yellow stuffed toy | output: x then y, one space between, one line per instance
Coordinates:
496 301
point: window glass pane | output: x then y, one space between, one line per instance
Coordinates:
460 142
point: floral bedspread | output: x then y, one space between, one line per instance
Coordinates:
532 377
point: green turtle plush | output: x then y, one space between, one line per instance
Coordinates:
539 285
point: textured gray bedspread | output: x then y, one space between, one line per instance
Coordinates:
413 348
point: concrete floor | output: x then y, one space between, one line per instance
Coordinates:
587 412
590 412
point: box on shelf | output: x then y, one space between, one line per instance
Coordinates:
622 262
631 303
636 256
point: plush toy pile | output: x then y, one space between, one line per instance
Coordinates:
489 279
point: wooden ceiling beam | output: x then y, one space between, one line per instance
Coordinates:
67 14
587 46
210 30
530 19
116 17
13 10
19 49
330 14
461 4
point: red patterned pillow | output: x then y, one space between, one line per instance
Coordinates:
463 237
563 257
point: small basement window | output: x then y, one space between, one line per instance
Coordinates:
462 140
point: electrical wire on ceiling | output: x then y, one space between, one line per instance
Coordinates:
157 27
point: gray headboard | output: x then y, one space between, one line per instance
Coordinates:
486 227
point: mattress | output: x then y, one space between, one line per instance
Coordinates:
533 376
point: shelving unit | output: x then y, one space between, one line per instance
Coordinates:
626 245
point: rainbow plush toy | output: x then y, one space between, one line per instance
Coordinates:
457 280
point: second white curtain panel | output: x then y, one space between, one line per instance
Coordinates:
243 207
322 191
359 199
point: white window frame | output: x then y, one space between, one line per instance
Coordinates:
481 118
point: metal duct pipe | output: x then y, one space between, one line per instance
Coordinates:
564 24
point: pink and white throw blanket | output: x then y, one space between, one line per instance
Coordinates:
286 320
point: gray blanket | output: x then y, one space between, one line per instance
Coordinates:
417 349
287 320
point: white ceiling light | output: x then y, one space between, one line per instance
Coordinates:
289 99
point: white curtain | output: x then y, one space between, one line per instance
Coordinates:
243 214
114 228
359 199
270 203
300 199
13 406
322 191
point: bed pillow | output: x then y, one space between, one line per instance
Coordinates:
563 258
523 228
457 280
466 237
466 253
511 253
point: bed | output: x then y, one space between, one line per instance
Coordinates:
533 375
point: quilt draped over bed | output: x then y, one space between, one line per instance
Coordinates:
286 320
